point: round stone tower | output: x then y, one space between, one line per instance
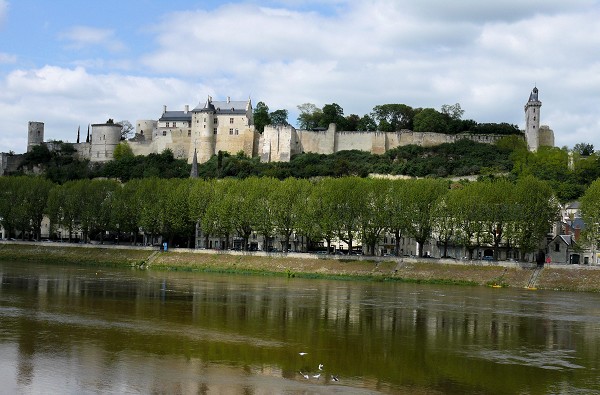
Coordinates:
204 129
35 134
105 138
532 121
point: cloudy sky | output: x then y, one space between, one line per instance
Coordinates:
70 63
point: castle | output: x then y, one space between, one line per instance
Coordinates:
228 126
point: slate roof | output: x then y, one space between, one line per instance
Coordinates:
224 107
176 116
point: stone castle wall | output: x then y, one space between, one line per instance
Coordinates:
279 143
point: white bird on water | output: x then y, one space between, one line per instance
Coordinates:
302 353
320 366
316 376
334 378
304 375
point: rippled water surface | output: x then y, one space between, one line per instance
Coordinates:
69 329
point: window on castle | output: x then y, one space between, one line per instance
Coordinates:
237 132
557 247
215 131
230 120
174 124
230 131
166 124
164 132
189 133
215 121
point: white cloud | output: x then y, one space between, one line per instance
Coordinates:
65 98
359 54
7 58
84 36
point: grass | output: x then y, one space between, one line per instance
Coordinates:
429 272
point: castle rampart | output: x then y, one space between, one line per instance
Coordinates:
228 126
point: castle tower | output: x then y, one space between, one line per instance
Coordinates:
532 121
35 134
105 138
204 130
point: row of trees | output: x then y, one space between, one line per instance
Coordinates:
395 117
354 210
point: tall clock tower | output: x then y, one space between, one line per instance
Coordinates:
532 121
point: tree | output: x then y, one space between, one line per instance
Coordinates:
352 122
123 151
333 113
310 116
454 112
261 116
590 213
373 217
536 210
429 120
422 197
393 117
287 207
583 149
127 130
396 212
279 117
366 123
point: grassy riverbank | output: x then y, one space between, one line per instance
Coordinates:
431 271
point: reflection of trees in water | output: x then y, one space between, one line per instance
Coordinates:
397 333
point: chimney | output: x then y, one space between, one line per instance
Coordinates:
228 99
577 233
164 108
187 108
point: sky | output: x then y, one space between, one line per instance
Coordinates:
71 63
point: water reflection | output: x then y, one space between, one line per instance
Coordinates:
140 331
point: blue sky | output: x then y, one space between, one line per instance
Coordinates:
72 63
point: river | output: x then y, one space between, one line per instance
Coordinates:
79 330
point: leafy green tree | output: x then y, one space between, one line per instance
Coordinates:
218 219
261 116
393 117
465 206
348 205
497 203
244 199
279 117
590 213
453 111
321 221
429 120
65 206
149 198
444 223
310 116
373 216
176 221
366 123
265 223
584 149
397 213
422 197
287 208
201 194
536 210
126 210
352 122
333 113
123 150
97 198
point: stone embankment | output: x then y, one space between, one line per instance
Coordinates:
434 271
